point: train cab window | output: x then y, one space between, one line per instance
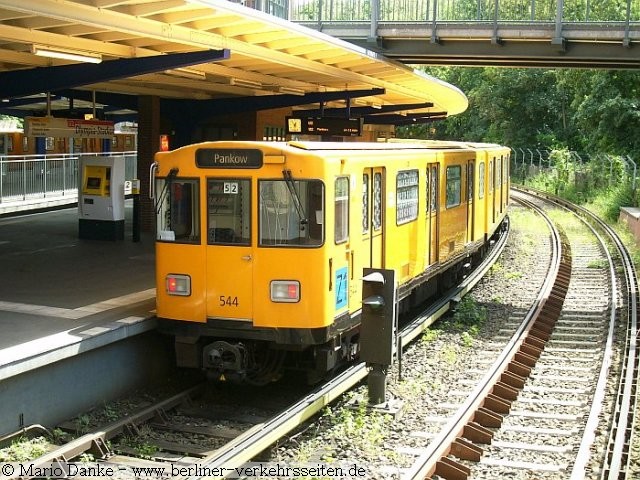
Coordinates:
454 186
481 177
498 173
406 196
291 212
228 211
342 209
365 203
178 218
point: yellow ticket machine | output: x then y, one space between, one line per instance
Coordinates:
101 198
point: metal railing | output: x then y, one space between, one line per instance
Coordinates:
32 177
546 11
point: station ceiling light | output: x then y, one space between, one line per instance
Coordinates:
65 54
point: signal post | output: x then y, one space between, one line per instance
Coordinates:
378 328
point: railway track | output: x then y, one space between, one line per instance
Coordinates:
538 410
239 445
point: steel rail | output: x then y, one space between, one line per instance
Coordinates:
97 440
622 429
261 436
505 376
253 441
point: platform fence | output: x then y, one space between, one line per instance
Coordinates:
29 178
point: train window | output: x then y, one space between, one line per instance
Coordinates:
505 170
428 192
365 203
498 173
470 179
178 212
291 212
376 214
434 189
406 196
490 179
454 186
481 180
342 210
228 211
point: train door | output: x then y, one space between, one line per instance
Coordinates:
372 218
470 201
229 251
433 215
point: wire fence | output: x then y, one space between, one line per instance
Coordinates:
584 171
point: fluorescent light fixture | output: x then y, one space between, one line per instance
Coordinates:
187 73
292 91
241 82
65 54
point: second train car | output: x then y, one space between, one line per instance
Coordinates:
261 246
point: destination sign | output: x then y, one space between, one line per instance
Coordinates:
329 126
228 158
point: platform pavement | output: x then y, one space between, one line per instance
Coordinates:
61 295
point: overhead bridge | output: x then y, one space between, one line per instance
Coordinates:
515 33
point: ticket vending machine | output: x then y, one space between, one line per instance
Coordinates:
101 198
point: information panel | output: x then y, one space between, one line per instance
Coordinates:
330 126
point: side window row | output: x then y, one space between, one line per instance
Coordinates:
408 192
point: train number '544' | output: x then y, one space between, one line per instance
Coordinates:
228 301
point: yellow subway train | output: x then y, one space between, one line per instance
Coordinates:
261 245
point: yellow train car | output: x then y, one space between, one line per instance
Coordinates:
261 245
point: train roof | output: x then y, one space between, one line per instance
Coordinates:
351 146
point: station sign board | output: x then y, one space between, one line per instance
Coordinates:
330 126
68 127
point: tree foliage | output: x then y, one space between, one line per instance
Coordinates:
583 110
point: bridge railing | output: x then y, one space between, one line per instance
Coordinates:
466 10
33 177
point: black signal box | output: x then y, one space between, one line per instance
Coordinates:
378 318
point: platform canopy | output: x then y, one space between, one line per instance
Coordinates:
251 54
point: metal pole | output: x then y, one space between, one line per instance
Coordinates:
626 42
375 18
533 10
635 168
495 40
558 40
539 159
320 5
434 36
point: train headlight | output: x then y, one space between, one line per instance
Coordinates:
178 285
286 291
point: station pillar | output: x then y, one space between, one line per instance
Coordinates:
148 144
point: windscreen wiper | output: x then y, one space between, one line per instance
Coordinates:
173 173
288 179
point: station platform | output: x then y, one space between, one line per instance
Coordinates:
61 295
